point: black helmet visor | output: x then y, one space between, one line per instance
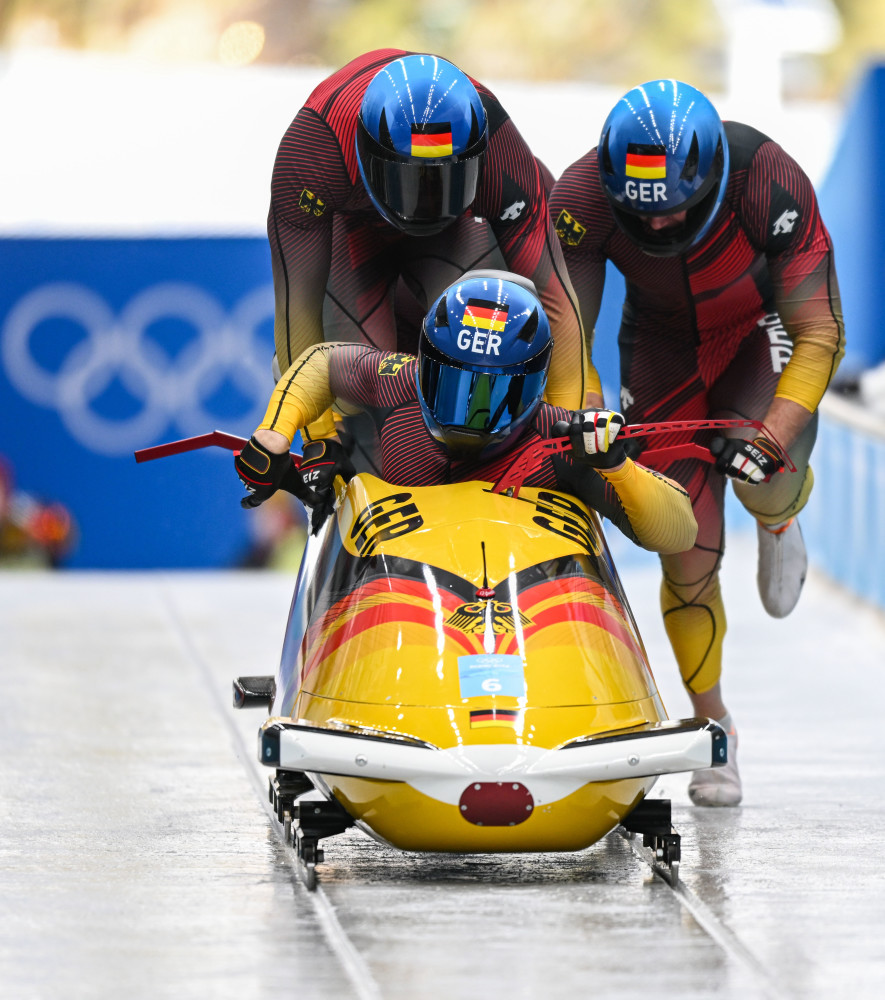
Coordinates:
420 196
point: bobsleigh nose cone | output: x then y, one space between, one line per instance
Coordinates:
496 803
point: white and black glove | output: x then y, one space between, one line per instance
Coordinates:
749 461
593 435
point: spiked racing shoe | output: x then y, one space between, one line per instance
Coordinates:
719 786
783 564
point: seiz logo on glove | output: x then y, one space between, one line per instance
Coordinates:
321 462
593 435
749 461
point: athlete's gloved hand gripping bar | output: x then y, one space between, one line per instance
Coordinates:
593 437
321 462
749 461
263 472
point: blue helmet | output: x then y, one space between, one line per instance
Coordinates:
483 355
420 139
663 150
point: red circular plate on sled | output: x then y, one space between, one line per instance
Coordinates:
496 803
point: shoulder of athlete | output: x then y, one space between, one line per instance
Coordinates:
512 191
311 175
315 171
384 378
395 364
579 208
339 83
771 194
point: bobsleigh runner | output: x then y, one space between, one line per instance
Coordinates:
461 672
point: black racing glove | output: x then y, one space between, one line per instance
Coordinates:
749 461
593 435
321 462
261 471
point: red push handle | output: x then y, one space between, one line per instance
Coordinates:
219 438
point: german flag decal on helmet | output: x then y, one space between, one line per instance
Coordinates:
485 315
432 139
646 161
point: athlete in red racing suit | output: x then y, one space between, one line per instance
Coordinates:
342 257
732 310
463 409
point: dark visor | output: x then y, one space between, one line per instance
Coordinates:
417 189
479 400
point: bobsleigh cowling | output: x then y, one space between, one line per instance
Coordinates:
461 672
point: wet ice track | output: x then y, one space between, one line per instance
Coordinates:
138 859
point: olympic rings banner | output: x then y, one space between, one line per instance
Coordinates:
107 346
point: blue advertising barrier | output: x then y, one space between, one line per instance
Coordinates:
844 523
852 202
111 345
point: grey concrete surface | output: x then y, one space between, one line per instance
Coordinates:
137 859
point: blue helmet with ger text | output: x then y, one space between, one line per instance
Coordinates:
420 140
662 151
483 355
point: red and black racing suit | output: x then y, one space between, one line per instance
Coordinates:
650 509
337 263
750 312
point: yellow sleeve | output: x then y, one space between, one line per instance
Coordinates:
808 372
659 509
810 307
302 396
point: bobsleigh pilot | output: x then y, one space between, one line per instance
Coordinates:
460 410
399 174
732 310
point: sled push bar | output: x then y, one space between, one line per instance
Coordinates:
527 460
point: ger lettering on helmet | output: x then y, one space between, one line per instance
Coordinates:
421 137
663 163
483 355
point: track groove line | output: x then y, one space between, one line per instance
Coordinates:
354 965
712 926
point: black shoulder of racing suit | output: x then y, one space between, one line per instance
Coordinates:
494 112
587 485
743 141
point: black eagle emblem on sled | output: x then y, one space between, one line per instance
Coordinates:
472 617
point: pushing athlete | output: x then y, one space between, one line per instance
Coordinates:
399 174
732 310
460 410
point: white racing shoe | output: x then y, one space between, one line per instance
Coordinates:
783 564
719 786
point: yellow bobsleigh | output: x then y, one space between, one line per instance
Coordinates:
462 672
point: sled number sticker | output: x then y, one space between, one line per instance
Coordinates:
485 674
384 519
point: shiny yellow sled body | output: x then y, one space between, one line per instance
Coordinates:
462 672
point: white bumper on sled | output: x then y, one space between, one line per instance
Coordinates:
642 752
